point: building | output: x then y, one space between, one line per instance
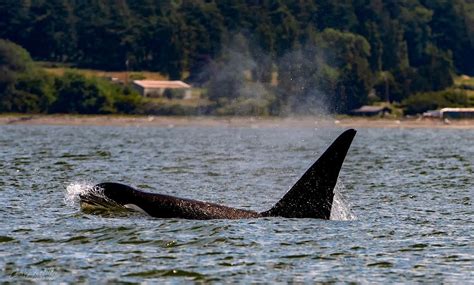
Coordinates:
457 113
433 114
163 88
370 111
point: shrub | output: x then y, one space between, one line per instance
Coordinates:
23 86
127 100
78 94
423 102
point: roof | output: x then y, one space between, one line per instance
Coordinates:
369 109
161 84
457 110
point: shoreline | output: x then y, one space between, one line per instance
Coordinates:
210 121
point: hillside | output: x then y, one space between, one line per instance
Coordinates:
326 56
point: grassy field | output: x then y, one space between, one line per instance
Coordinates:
121 75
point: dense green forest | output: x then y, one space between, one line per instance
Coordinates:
264 57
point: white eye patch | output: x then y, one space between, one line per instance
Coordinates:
135 208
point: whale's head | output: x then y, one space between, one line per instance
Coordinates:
107 197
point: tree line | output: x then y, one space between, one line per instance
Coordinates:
259 55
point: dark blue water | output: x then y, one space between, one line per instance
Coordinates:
411 192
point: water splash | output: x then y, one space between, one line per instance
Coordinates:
94 201
73 190
341 210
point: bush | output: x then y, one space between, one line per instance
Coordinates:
33 93
127 101
23 86
79 94
423 102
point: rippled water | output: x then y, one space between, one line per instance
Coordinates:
410 190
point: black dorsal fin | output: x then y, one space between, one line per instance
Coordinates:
312 195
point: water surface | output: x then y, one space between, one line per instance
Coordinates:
411 192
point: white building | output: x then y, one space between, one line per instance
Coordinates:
160 88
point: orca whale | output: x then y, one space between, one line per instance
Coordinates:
310 197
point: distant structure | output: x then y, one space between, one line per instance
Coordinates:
450 113
457 113
371 111
163 88
115 80
433 114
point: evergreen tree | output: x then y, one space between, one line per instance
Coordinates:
341 48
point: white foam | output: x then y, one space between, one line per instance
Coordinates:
341 210
73 190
